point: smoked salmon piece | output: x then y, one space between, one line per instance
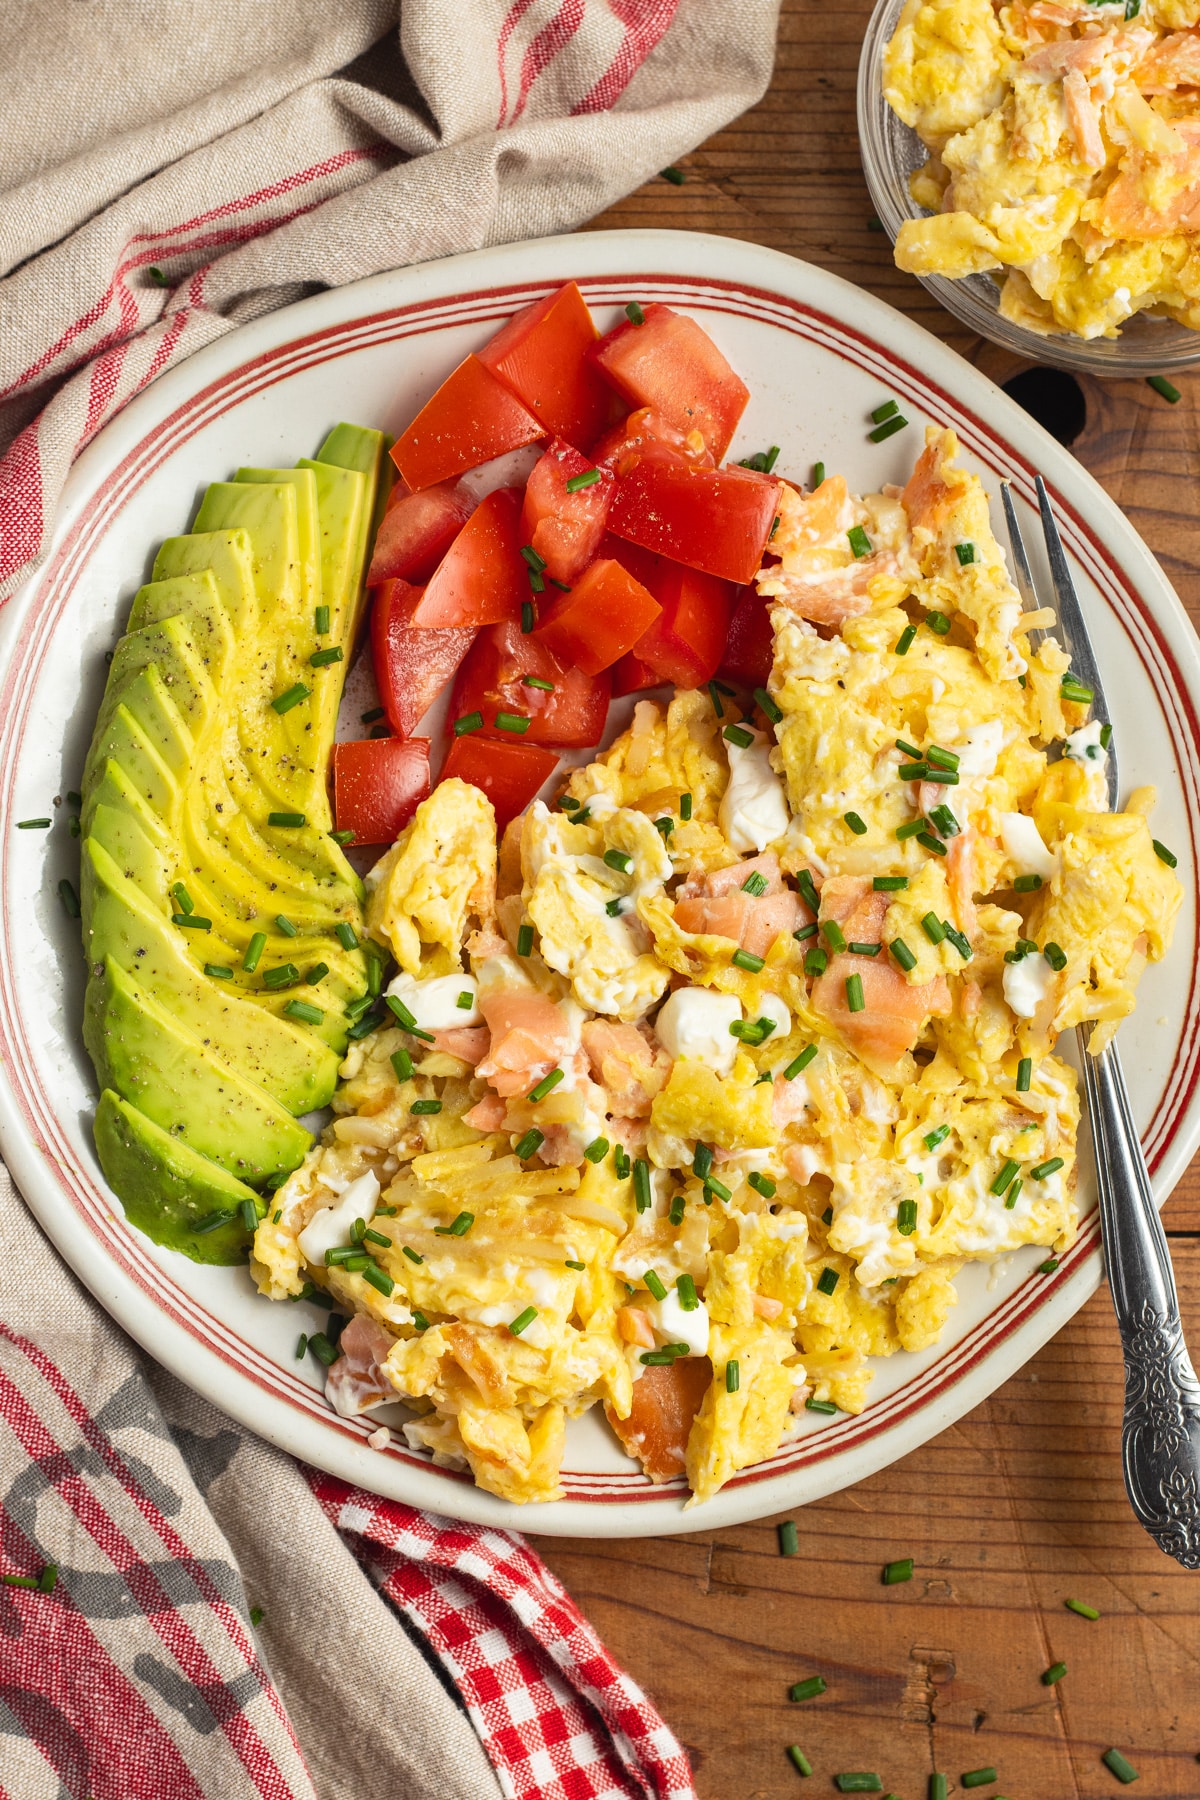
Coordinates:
719 906
529 1036
1129 211
468 1042
895 1011
355 1381
665 1402
630 1069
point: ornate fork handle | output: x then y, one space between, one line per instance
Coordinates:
1160 1438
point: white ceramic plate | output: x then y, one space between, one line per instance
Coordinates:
817 355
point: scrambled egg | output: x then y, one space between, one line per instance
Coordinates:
699 1094
1064 155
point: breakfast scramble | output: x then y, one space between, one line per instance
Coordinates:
702 1085
1064 154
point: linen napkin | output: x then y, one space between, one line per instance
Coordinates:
185 1610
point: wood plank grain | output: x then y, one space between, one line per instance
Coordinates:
1021 1504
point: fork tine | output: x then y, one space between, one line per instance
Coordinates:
1073 631
1021 569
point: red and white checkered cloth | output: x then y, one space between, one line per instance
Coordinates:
247 156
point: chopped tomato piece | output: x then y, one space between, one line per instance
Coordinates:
685 642
483 577
510 774
750 646
541 354
472 418
565 528
378 784
411 667
602 617
669 362
621 443
496 677
417 530
717 520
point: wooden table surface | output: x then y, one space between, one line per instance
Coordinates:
1021 1504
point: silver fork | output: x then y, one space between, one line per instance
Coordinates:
1160 1437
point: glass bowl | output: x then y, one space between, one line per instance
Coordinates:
891 152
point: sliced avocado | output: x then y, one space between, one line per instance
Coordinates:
143 860
267 514
341 502
151 1059
308 525
359 447
147 737
226 556
290 1062
167 1188
118 790
169 648
196 599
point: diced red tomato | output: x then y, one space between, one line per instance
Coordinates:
565 528
493 678
411 667
483 578
669 362
717 520
621 443
602 617
510 774
417 530
750 646
378 784
541 354
472 418
685 642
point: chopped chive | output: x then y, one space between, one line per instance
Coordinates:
1003 1180
1085 1612
642 1191
734 734
902 955
525 940
655 1286
597 1150
302 1010
191 922
290 821
733 1376
533 558
1051 1167
1165 855
465 1001
545 1085
1105 740
855 1000
284 975
808 1690
937 622
1048 1268
528 617
860 543
746 959
376 712
800 1063
715 697
965 553
816 961
789 1542
685 1287
1027 884
218 971
755 883
301 1346
808 890
323 1349
619 860
422 1107
858 1781
944 759
768 706
458 1227
321 620
762 1184
904 642
827 1281
379 1279
1159 383
468 722
517 723
523 1321
420 1322
529 1144
376 1237
805 931
856 824
363 1027
343 837
937 1787
1120 1765
1055 956
1054 1674
929 842
857 949
978 1778
678 1208
1071 688
1024 1074
944 777
341 1255
621 1162
249 1215
535 681
820 1406
284 925
933 928
887 430
634 313
412 1255
906 1218
888 410
568 1264
321 659
702 1161
818 474
183 899
1013 1194
938 1136
912 829
944 819
913 771
283 703
833 934
254 950
585 479
213 1221
685 807
713 1186
664 827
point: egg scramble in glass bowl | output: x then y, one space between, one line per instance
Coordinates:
699 1089
1063 145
